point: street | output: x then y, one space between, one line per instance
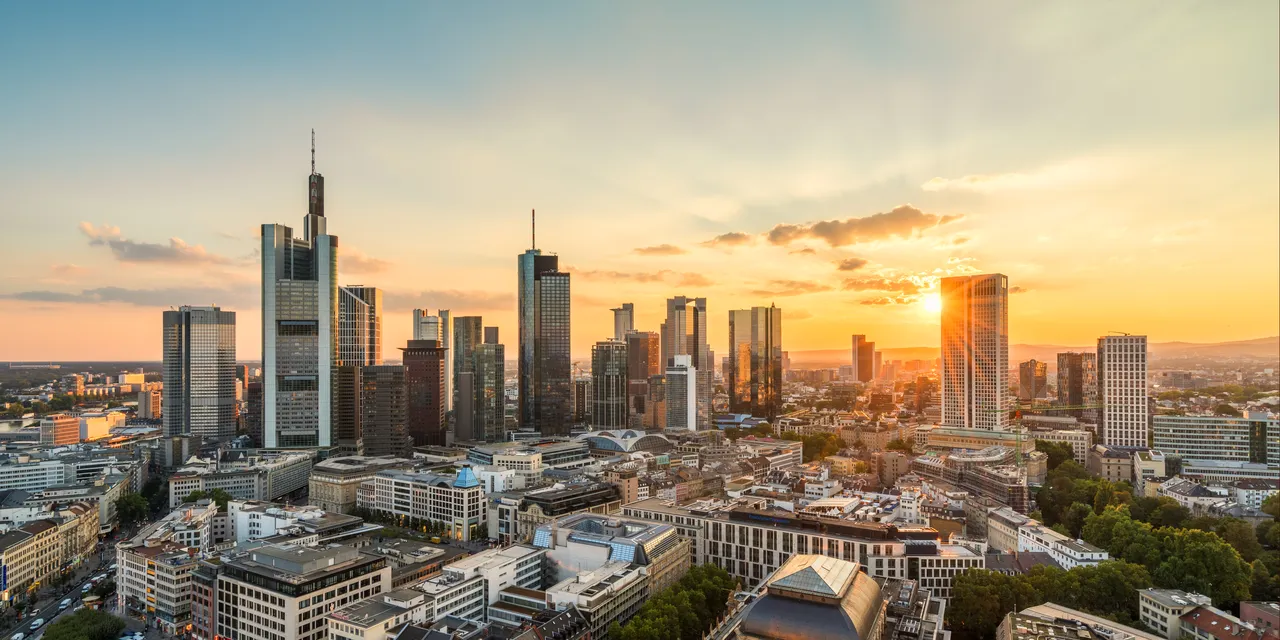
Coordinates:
50 598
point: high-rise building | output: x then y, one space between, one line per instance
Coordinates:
624 321
1033 380
299 327
437 327
149 405
1122 384
682 394
467 335
609 384
242 373
424 379
348 415
359 325
644 361
975 352
199 372
253 406
384 407
1078 384
580 400
864 359
488 389
545 368
685 333
754 376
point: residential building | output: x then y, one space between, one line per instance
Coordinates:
1122 385
754 378
682 394
424 380
817 598
1252 493
863 358
545 368
457 502
59 429
299 327
975 352
438 327
384 406
1161 610
624 321
334 483
1033 380
609 384
1264 616
153 579
359 326
1212 623
685 333
1068 553
29 556
1078 385
199 372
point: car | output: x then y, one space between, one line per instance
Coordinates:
37 623
87 586
18 636
64 604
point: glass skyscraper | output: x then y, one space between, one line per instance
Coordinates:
685 333
975 352
545 368
609 384
200 373
754 378
359 325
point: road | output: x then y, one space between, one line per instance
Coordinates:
50 599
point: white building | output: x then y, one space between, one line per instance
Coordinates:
1122 389
251 475
682 394
1068 553
379 617
1251 439
1252 493
456 501
1161 610
1081 441
467 587
975 352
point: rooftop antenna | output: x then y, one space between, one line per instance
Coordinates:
313 152
533 226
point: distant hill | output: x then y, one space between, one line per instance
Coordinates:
1260 348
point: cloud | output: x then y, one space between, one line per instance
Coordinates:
163 297
783 288
124 250
694 280
888 300
904 221
665 276
910 285
798 314
460 302
959 240
660 250
804 251
356 262
67 270
1064 174
731 239
1018 289
851 264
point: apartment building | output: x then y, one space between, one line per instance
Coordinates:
153 579
29 556
1161 610
456 501
1068 553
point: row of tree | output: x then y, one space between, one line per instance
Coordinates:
818 445
86 624
980 598
684 611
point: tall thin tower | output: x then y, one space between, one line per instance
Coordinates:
544 366
975 352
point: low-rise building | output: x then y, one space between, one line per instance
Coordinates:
1113 464
575 543
1002 528
1161 610
540 507
613 592
466 588
457 502
247 474
335 483
1081 441
1068 553
29 556
380 617
153 580
1212 623
1252 493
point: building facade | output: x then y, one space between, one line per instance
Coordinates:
457 502
1122 385
685 333
754 378
1078 384
384 409
975 352
437 327
545 367
199 372
624 321
609 384
424 379
1033 380
334 483
359 326
863 357
681 390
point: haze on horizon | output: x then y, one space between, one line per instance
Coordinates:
1119 162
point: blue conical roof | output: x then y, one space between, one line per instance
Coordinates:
466 479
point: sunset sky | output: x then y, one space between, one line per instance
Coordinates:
1118 161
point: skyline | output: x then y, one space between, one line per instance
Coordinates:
806 162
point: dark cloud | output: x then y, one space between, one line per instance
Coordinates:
783 288
904 221
851 264
460 302
731 239
959 240
164 297
805 251
356 262
903 285
1016 289
124 250
660 250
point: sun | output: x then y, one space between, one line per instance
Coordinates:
932 303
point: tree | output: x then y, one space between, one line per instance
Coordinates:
1201 562
1241 536
104 588
1075 517
1058 452
1264 587
1271 506
220 497
683 611
1225 409
897 444
131 509
86 624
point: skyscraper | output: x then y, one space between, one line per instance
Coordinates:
1033 380
1078 384
545 368
348 416
200 373
437 327
682 394
467 335
488 390
624 321
424 382
1122 384
863 356
609 384
975 352
359 326
685 333
644 361
299 326
754 376
384 408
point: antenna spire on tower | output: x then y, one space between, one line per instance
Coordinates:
533 226
313 151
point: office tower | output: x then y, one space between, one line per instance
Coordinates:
1033 380
299 326
754 374
467 334
624 321
242 373
581 400
877 371
149 406
437 327
609 384
200 372
545 369
488 389
682 394
1078 385
359 325
348 416
384 407
644 361
253 407
1122 383
975 352
864 359
424 379
685 333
